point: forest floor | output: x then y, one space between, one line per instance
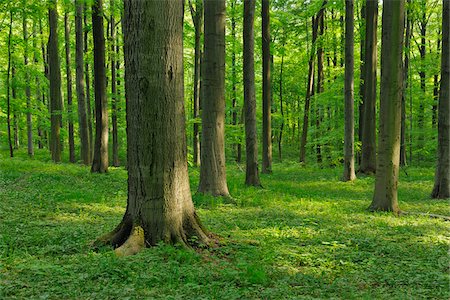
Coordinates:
305 235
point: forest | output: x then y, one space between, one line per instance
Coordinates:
224 149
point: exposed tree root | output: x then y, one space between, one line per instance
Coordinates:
134 243
434 216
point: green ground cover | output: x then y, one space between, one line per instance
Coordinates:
306 235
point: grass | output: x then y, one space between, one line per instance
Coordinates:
306 235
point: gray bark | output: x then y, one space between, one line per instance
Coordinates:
266 90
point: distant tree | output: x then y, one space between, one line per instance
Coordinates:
100 161
114 98
8 87
442 179
386 180
251 140
55 82
212 169
349 136
27 82
80 85
368 138
266 90
87 75
159 206
69 88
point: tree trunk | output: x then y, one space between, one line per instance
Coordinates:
435 92
38 90
368 150
405 87
212 169
69 89
15 110
442 179
80 86
280 137
114 100
197 19
266 90
385 196
88 89
422 50
100 161
8 87
27 89
55 83
45 93
234 75
319 86
251 140
160 205
349 137
362 68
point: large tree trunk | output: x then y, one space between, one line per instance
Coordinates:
349 137
212 170
197 18
88 88
55 83
266 90
368 150
100 161
80 86
27 89
8 87
385 196
405 86
159 206
251 140
114 99
69 89
442 179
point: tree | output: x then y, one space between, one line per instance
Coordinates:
251 140
197 18
212 169
442 178
8 87
114 100
368 149
80 85
55 83
349 136
385 196
69 88
100 161
88 86
27 88
266 90
159 206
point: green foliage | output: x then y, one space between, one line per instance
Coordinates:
306 235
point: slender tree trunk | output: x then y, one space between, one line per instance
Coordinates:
266 90
55 83
38 91
234 75
435 92
80 86
385 196
251 140
422 50
46 92
100 161
114 100
197 18
405 87
368 150
442 179
69 89
88 89
349 137
362 71
280 137
15 111
8 87
212 169
27 89
320 79
160 205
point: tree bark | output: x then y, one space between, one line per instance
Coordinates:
15 110
69 89
114 100
88 88
100 161
368 150
212 169
362 68
319 85
442 178
55 83
280 137
8 87
234 76
422 50
349 137
160 205
386 180
266 90
251 140
405 87
80 86
27 89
